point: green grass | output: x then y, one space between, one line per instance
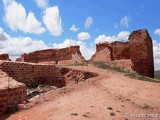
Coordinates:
141 77
103 65
77 64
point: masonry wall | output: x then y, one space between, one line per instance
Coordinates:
120 50
11 93
54 55
111 51
34 74
4 56
141 52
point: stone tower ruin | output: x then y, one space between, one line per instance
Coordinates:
138 50
141 52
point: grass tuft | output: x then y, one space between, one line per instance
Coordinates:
103 65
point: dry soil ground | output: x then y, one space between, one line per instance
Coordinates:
110 96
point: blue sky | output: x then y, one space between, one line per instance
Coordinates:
29 25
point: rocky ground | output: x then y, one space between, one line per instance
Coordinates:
110 96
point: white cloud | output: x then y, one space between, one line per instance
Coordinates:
86 52
17 18
156 51
157 32
104 38
83 36
7 2
41 3
16 46
121 36
52 21
3 36
74 28
66 43
88 22
125 21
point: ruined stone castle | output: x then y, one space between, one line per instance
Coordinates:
138 50
28 70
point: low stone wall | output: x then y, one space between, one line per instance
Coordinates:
11 93
11 97
34 74
69 55
16 76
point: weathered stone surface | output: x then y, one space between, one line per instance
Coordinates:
34 74
141 52
4 56
111 51
120 50
14 77
11 92
102 55
71 55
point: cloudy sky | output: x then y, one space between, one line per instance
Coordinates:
29 25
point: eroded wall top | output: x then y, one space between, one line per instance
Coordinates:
55 55
4 56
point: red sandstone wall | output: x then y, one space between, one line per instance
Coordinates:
34 74
141 52
103 55
11 92
101 46
54 55
4 57
14 74
111 51
120 50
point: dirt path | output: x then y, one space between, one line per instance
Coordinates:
110 96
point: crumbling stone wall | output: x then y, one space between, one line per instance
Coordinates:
120 50
138 49
4 56
102 55
15 76
141 52
75 76
34 74
11 93
111 51
60 56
